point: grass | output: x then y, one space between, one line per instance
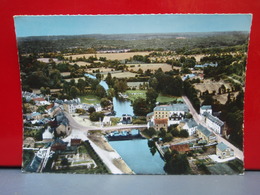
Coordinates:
165 99
134 94
89 99
115 120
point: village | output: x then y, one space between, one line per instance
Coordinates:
178 111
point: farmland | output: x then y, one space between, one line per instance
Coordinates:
109 56
211 85
153 66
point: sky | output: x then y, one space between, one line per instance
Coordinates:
127 24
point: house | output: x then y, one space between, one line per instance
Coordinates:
214 123
223 151
106 121
205 108
206 65
189 125
205 135
47 135
188 76
172 113
182 148
35 116
75 142
40 101
160 123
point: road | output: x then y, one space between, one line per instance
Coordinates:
238 153
108 157
75 125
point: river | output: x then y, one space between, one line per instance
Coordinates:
120 106
138 157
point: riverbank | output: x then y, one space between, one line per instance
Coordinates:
109 155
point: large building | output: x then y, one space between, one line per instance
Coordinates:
214 123
171 114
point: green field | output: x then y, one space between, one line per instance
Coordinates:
165 99
89 99
134 94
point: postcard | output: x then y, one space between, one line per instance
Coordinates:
133 94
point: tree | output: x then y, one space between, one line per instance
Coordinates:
168 137
100 91
176 163
104 102
109 80
150 132
43 90
153 82
96 116
120 85
151 96
140 107
74 91
91 110
81 85
184 133
162 133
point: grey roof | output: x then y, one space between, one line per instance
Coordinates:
204 130
150 114
214 119
172 107
191 123
221 146
206 107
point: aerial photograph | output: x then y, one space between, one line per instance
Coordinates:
133 94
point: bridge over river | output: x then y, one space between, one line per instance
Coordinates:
75 125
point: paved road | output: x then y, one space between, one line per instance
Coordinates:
197 118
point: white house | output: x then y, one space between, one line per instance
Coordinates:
205 108
214 123
189 125
106 121
40 101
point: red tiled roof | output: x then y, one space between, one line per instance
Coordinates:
75 142
39 99
161 121
180 148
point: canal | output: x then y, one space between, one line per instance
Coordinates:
120 106
138 157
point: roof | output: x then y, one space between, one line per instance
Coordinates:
74 142
172 107
214 119
180 148
35 114
191 123
161 121
204 131
221 146
150 114
38 99
206 107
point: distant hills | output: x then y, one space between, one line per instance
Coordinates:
166 41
